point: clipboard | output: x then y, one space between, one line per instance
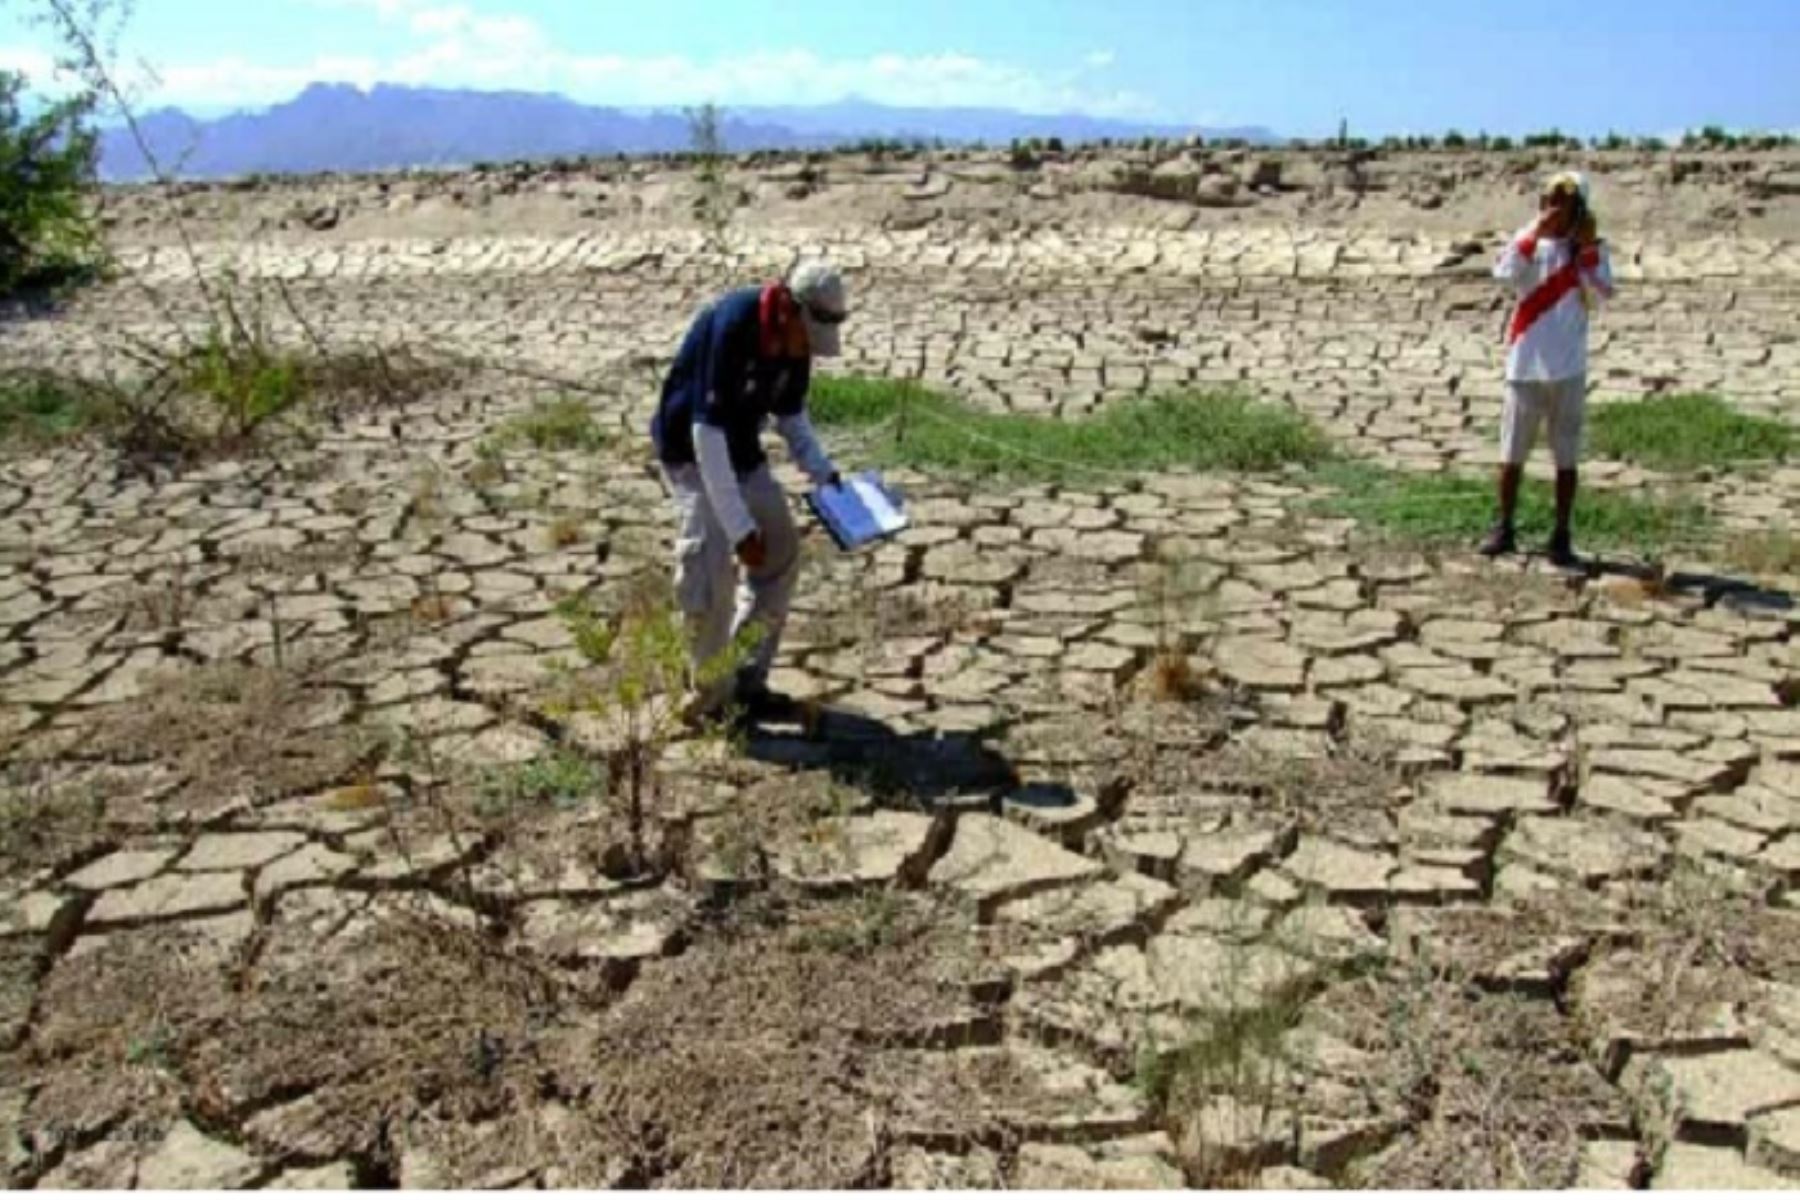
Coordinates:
860 512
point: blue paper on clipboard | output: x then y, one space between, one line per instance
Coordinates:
861 511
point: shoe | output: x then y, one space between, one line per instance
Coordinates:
1500 541
1559 550
758 702
699 713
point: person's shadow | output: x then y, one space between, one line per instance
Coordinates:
928 768
1716 590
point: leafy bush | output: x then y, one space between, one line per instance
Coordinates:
47 235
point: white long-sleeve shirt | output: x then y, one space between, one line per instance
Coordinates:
1547 335
720 480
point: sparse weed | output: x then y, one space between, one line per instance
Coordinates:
559 423
151 1048
1764 553
45 812
565 530
1227 1092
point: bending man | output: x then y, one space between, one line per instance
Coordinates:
746 358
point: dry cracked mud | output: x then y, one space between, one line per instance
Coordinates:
1428 872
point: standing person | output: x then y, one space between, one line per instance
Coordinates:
747 357
1559 269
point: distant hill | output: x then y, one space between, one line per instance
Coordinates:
337 127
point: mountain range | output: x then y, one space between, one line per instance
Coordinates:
338 127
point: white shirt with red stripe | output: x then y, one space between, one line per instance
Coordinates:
1546 337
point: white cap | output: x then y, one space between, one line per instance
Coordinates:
1567 179
824 304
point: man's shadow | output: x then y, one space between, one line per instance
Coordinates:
1716 590
929 768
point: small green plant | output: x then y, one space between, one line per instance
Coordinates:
559 423
489 467
1455 510
1199 431
1686 432
152 1048
630 691
559 780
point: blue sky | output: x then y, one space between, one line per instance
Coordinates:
1297 66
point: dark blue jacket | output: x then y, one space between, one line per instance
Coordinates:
719 378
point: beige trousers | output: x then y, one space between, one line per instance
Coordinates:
1562 404
717 606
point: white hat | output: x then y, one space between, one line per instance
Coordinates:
1567 179
819 290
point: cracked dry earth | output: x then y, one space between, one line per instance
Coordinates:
1152 832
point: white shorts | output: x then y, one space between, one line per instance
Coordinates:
1530 403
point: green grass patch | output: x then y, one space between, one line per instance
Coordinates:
37 407
559 423
912 426
1683 433
1456 510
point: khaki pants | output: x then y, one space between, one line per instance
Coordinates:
706 575
1562 404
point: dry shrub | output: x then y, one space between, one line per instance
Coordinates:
1347 793
112 1019
1694 947
868 615
1172 677
231 732
1493 1089
50 811
771 1055
420 1013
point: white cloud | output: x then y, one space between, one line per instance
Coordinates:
35 65
456 45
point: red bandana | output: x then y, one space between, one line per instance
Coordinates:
775 311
